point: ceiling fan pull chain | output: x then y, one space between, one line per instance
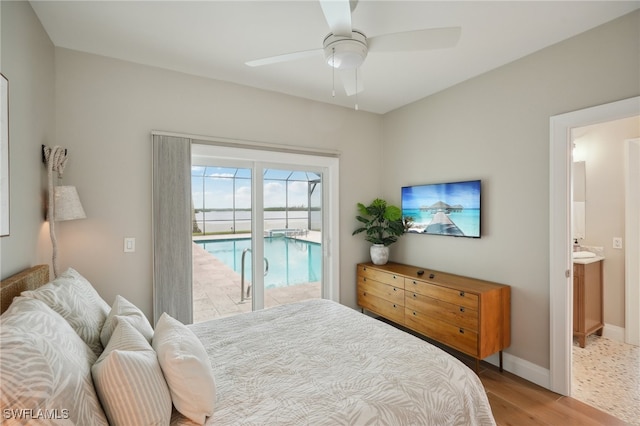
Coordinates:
333 73
356 89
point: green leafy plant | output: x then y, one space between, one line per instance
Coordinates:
381 222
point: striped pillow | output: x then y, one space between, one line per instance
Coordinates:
73 297
124 310
129 380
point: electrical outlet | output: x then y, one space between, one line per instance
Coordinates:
617 243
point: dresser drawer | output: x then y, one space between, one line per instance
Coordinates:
457 337
380 306
381 276
381 290
457 315
456 297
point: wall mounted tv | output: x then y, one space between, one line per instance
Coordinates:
443 208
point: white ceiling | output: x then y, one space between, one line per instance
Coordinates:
215 38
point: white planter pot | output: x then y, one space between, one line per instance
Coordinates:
379 254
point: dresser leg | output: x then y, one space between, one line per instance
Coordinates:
477 366
500 361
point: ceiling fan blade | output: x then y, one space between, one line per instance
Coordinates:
348 78
338 16
284 58
431 38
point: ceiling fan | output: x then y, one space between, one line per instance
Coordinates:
346 48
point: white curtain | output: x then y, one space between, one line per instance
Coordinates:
172 222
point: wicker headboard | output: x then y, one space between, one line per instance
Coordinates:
29 279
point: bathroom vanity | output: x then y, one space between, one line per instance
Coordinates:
587 298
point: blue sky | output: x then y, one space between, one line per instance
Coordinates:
218 192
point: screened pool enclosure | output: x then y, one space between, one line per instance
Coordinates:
222 200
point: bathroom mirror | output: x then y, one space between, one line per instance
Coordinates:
579 181
579 199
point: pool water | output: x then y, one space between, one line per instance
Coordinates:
291 261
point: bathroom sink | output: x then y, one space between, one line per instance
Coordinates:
583 254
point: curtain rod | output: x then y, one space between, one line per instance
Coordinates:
239 143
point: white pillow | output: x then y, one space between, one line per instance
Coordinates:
73 297
186 368
123 310
129 381
45 367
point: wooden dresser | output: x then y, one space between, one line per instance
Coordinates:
470 315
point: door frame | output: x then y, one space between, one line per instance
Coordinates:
265 156
632 242
560 267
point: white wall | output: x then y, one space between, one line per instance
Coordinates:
27 62
106 110
496 128
602 148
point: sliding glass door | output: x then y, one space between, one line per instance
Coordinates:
258 232
292 207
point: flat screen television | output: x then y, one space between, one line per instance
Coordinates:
443 208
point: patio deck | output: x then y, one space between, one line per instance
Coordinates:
216 287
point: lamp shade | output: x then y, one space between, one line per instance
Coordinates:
67 204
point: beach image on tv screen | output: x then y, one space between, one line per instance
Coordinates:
443 209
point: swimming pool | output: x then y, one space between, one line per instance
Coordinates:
291 261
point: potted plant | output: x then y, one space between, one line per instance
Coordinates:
382 224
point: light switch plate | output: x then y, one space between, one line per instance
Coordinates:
129 244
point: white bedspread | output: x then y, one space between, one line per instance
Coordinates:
321 363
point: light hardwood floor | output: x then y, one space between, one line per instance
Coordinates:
515 401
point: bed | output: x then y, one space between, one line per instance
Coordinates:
314 363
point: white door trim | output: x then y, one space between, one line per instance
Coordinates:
632 242
560 268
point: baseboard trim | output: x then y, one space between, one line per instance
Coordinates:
539 375
522 368
613 332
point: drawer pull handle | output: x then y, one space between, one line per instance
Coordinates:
365 293
461 309
414 314
364 268
394 305
394 277
420 273
364 280
395 289
432 276
415 296
462 294
414 282
461 331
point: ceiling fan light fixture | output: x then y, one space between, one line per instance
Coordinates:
345 53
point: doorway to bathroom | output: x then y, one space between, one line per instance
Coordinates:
602 368
560 236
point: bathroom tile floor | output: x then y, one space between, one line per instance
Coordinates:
606 375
